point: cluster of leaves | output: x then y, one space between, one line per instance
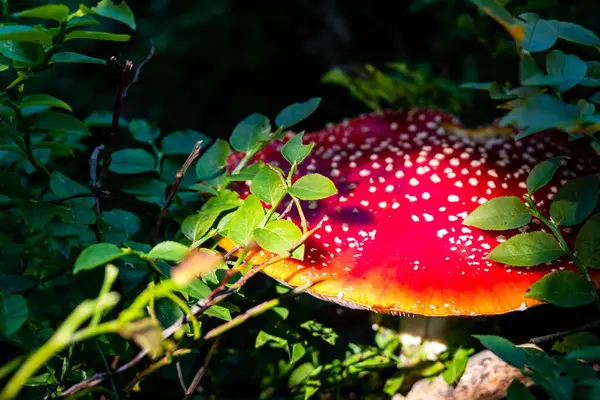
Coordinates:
401 87
561 97
563 373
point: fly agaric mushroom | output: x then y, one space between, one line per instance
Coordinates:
393 240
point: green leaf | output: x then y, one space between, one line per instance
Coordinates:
97 255
56 12
542 174
45 100
170 251
143 132
15 283
575 201
37 214
562 288
81 21
500 213
313 187
248 173
297 112
540 35
542 112
250 131
13 313
11 185
63 186
245 220
267 186
518 391
58 149
60 121
132 161
107 9
575 341
561 387
182 142
102 119
295 151
457 366
586 353
24 33
300 374
298 350
211 165
504 349
392 385
122 219
587 243
527 249
219 312
94 35
279 236
196 289
568 67
575 33
70 57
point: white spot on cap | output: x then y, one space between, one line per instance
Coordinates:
453 198
426 195
413 182
428 217
435 178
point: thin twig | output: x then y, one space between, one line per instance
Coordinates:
138 69
166 360
125 69
558 335
178 177
196 381
180 376
94 177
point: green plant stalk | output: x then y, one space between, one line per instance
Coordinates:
63 336
110 275
22 126
147 259
565 247
186 309
5 13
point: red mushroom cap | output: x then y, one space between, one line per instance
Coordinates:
393 240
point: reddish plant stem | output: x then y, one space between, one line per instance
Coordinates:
178 177
196 381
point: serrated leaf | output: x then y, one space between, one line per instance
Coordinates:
70 57
143 132
279 236
219 312
313 187
195 226
249 132
63 186
248 173
457 366
13 313
587 243
122 219
97 255
210 167
542 174
267 186
294 151
500 213
182 142
24 33
527 249
562 288
132 161
504 349
169 250
45 100
94 35
56 12
245 220
575 201
297 112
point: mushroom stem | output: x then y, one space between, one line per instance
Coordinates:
564 245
